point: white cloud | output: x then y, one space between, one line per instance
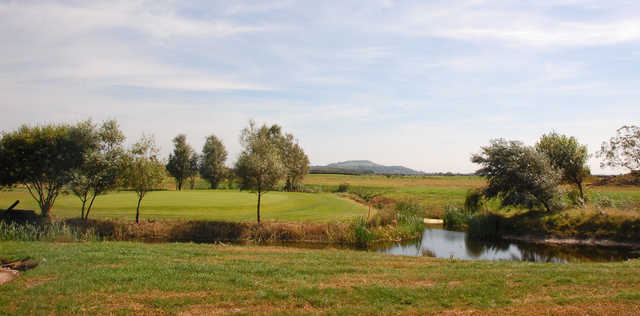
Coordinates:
478 21
152 19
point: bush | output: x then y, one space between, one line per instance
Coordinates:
474 201
455 218
344 187
363 236
576 199
604 201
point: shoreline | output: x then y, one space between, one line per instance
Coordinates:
573 241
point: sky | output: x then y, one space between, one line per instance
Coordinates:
423 84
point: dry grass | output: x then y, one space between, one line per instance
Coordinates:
394 181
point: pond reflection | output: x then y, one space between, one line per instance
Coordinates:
437 242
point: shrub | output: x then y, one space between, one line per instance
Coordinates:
576 199
363 236
604 201
474 201
455 218
344 187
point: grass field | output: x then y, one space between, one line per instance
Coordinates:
434 193
226 205
135 278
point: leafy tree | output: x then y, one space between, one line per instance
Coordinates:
518 174
179 161
144 171
623 150
42 159
259 167
566 154
102 168
212 166
295 161
229 176
194 166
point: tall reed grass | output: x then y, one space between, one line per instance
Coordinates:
56 231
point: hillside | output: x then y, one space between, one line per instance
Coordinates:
366 166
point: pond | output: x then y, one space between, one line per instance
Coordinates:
440 243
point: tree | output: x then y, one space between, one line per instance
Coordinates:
212 166
194 166
144 171
566 154
295 161
42 159
623 150
102 168
518 174
179 161
259 167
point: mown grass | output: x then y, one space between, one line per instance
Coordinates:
222 205
136 278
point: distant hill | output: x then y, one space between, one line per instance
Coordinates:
363 167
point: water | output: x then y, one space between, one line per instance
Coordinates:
440 243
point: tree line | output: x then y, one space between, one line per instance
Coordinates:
90 160
529 176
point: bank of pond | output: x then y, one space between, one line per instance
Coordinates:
432 241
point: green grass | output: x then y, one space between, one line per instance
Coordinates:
225 205
135 278
434 193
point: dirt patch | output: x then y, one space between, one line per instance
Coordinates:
8 275
251 309
38 281
265 249
591 308
348 281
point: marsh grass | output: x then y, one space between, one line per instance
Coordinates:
56 231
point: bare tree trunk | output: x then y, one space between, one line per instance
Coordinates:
581 191
259 194
93 198
138 211
546 205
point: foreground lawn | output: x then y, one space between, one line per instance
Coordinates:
225 205
135 278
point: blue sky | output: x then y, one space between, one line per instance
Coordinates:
417 83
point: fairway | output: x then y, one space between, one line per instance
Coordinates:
223 205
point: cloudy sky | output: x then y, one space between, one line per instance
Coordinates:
417 83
